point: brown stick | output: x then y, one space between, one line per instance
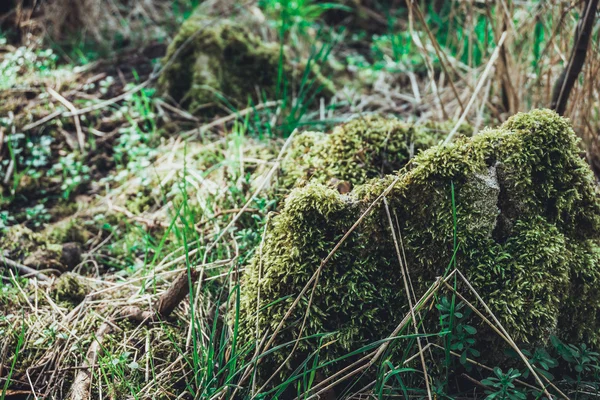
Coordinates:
568 77
80 389
23 268
476 382
134 313
167 302
176 292
71 107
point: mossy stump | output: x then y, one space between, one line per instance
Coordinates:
527 231
222 62
366 147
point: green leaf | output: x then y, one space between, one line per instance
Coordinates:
470 330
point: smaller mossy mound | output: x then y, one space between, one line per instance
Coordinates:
18 242
39 250
366 147
70 288
69 229
212 62
527 225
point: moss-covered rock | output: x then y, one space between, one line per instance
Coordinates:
366 147
527 228
210 62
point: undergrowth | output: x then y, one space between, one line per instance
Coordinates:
149 188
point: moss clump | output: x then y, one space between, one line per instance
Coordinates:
67 230
222 60
528 228
19 241
70 288
364 148
39 250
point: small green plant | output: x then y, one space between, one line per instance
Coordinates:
469 45
577 367
584 362
583 359
462 335
134 153
37 215
6 220
120 372
20 341
297 16
396 53
135 147
73 173
182 9
103 85
48 336
17 64
27 157
311 87
541 361
502 385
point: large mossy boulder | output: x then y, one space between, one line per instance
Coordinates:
527 238
223 61
366 147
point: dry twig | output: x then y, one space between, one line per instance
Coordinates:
24 269
71 107
568 77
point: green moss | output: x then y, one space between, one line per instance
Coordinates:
528 228
43 250
223 60
70 288
67 230
140 200
19 241
439 130
366 147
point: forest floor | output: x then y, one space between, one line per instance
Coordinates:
121 202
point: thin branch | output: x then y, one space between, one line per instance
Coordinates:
74 111
81 387
23 268
568 77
